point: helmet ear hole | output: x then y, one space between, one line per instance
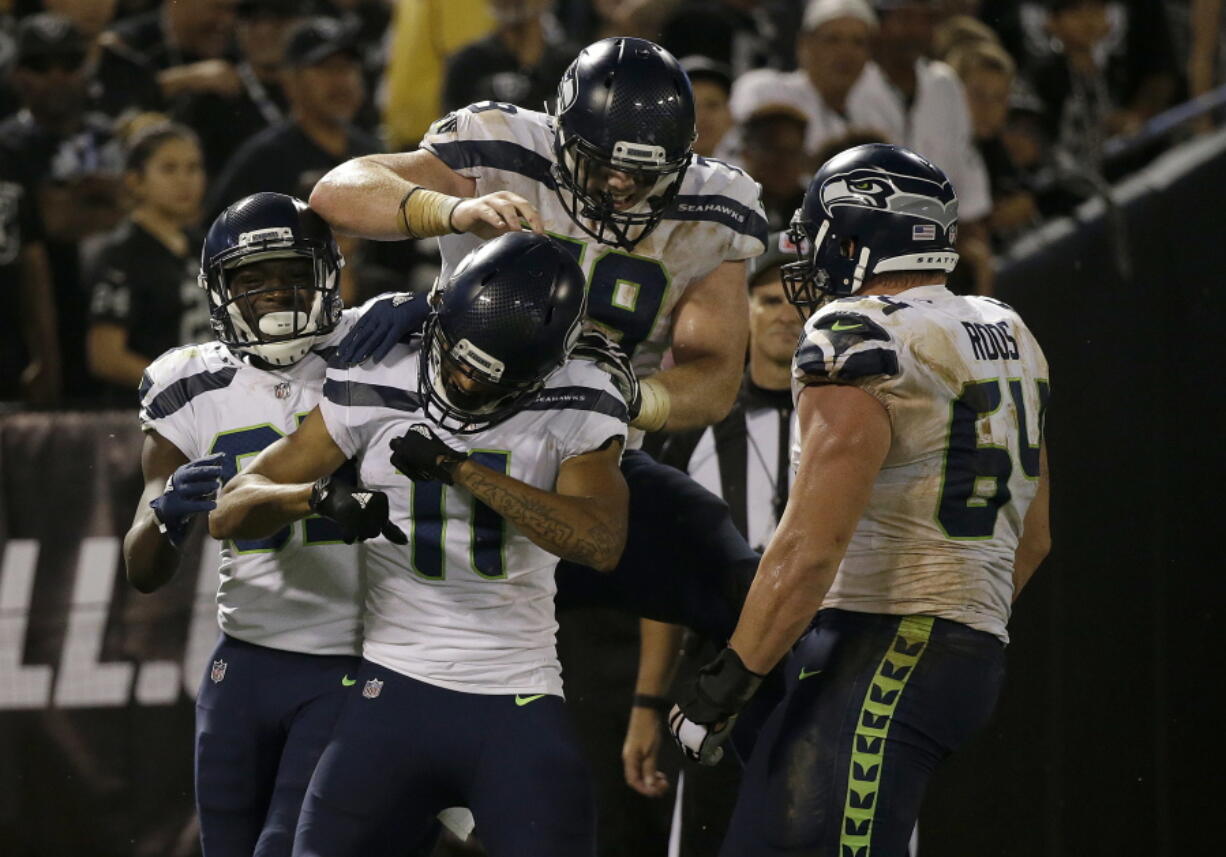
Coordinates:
847 248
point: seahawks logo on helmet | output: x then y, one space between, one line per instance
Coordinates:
885 191
568 91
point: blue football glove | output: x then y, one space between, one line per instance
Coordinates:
190 489
387 320
595 346
702 722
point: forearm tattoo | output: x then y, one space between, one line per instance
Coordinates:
589 547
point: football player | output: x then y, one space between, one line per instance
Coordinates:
662 237
497 455
918 513
289 604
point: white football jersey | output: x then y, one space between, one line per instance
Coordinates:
299 590
468 603
716 217
965 385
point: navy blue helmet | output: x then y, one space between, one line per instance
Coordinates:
505 320
274 315
869 210
624 106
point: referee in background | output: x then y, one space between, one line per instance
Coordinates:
745 460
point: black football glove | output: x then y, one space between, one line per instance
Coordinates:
386 320
710 703
608 355
420 455
362 515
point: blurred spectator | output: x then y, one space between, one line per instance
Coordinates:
181 47
1137 53
224 122
90 17
773 152
742 34
30 366
1207 50
712 85
1085 89
67 162
323 82
833 48
520 63
958 31
987 73
424 34
920 103
145 296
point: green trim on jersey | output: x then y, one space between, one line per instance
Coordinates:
872 730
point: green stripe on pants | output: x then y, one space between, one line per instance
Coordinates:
868 744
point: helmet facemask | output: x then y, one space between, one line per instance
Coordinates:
582 173
305 307
484 398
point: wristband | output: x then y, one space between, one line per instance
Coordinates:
655 407
426 213
655 703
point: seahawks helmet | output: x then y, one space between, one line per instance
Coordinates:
870 209
276 323
624 105
507 318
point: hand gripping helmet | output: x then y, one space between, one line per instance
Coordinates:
869 210
257 228
624 105
508 317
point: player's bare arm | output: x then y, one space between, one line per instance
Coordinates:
583 520
659 649
1035 542
709 336
275 489
370 197
149 557
846 436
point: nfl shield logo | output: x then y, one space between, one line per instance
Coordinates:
282 390
218 672
372 689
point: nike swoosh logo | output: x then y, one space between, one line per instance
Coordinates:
521 701
804 673
349 682
839 326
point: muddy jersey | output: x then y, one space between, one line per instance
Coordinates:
965 385
467 604
716 217
300 589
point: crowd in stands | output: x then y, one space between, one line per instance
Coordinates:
125 125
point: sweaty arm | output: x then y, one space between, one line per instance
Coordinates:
845 436
1036 531
275 489
583 519
709 337
149 558
366 197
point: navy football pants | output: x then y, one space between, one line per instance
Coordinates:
872 704
684 563
403 750
260 729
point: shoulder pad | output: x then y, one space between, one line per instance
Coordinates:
842 346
